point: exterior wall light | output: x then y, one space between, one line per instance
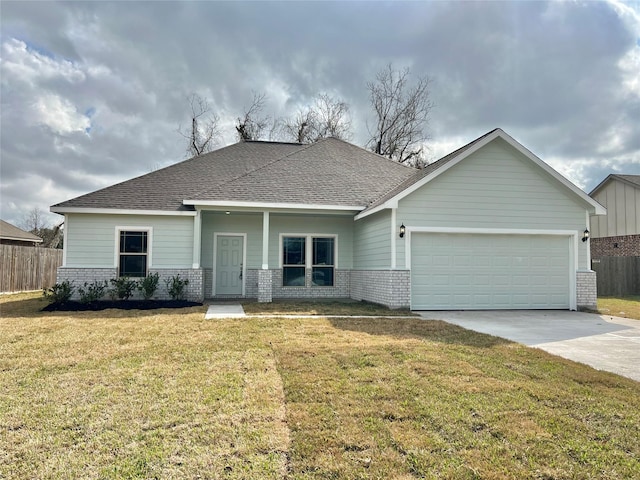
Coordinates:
402 230
585 235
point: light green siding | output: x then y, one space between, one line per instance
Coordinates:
495 187
372 244
219 222
340 225
91 239
251 224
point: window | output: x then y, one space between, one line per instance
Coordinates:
133 253
322 267
293 261
300 253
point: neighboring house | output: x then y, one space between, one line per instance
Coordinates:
489 226
12 235
618 233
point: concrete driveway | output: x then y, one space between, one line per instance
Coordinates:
601 341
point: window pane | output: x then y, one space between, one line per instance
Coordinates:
133 265
322 276
293 251
133 242
323 251
293 277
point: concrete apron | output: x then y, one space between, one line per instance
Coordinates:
601 341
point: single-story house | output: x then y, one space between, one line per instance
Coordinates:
489 226
12 235
618 233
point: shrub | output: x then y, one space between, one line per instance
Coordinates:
59 293
148 285
123 287
92 292
176 286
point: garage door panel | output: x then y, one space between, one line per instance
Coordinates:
460 271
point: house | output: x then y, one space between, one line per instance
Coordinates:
615 239
489 226
12 235
618 233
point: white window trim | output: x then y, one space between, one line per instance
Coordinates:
116 256
308 254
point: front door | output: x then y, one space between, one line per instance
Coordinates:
229 253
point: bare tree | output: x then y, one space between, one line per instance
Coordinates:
34 222
203 133
402 114
252 125
326 117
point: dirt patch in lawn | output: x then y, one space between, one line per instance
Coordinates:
119 304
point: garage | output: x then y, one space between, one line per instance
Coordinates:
476 271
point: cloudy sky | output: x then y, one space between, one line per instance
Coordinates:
92 93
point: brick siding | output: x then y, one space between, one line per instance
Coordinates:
391 288
78 277
586 290
620 246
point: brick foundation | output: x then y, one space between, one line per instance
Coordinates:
391 288
194 291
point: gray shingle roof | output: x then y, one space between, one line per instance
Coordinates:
11 232
165 189
329 172
630 179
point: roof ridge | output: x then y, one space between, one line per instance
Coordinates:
367 151
249 172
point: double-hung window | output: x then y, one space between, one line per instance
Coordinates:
300 253
293 261
133 253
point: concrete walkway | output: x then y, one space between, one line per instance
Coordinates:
601 341
224 310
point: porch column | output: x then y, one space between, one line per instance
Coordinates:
265 240
393 238
197 228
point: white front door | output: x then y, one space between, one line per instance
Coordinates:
229 254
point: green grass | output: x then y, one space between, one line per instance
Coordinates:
321 307
628 307
167 394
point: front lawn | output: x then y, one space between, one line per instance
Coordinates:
628 307
167 394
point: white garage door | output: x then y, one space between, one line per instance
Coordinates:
475 272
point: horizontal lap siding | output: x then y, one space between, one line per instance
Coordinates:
372 244
91 240
340 225
495 187
218 222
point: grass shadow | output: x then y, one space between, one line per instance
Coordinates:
418 328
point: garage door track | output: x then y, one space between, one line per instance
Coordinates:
601 341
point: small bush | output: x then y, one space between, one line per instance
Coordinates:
59 293
176 286
123 287
148 285
92 292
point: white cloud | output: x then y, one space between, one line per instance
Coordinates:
59 114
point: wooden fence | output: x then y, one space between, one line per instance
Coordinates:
28 268
617 276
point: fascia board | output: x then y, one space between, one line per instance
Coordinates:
118 211
271 206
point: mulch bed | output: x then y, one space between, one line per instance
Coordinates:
119 304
